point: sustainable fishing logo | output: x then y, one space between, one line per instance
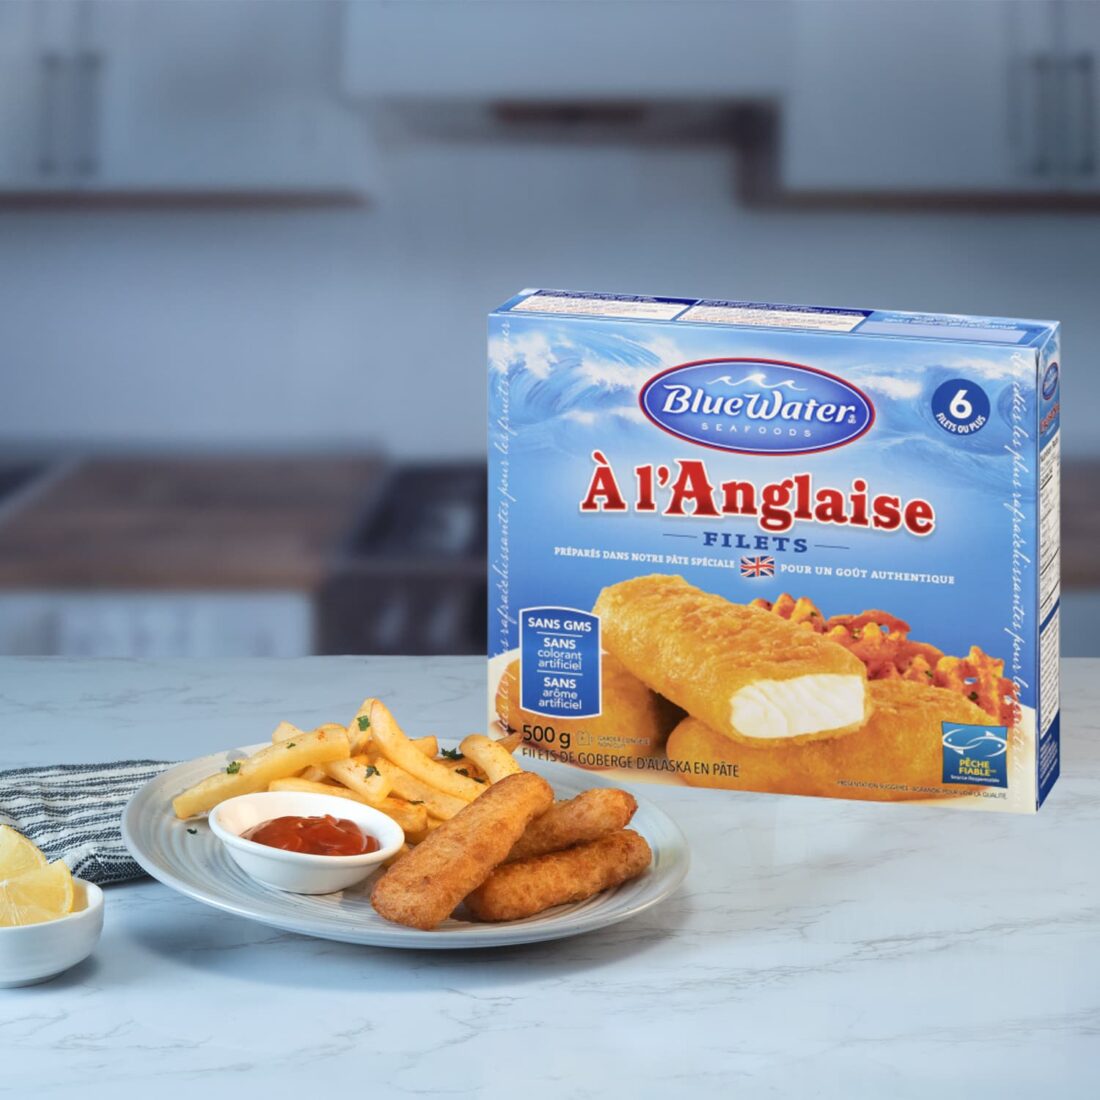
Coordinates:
976 755
757 406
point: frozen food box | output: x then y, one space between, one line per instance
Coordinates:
792 549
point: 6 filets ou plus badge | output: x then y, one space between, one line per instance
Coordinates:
760 547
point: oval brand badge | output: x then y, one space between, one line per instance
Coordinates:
1050 381
757 406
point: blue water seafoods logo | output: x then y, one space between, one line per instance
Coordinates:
757 406
1050 381
977 755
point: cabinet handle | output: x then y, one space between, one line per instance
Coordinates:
1042 74
89 69
1085 68
49 70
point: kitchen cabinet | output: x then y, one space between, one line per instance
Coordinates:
616 49
233 95
129 96
992 98
1076 55
20 76
33 97
970 96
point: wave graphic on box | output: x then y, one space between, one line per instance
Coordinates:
570 398
758 378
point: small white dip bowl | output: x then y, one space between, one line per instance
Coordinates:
300 872
31 953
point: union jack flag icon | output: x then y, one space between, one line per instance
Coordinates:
757 567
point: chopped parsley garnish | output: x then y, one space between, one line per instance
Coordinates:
928 674
290 744
973 696
364 721
370 770
233 768
192 831
451 754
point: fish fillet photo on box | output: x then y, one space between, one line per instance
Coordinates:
792 549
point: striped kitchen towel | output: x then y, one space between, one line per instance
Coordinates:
73 812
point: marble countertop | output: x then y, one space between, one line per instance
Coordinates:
818 948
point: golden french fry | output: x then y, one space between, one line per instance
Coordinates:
464 766
362 776
411 818
277 761
416 791
430 825
359 732
429 746
881 641
396 747
511 742
308 786
287 731
496 762
314 774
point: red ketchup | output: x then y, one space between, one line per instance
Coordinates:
317 836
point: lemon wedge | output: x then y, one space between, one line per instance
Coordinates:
42 894
17 854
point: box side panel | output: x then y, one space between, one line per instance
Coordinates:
501 500
1049 385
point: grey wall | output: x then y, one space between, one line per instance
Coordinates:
322 329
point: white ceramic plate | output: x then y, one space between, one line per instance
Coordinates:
196 864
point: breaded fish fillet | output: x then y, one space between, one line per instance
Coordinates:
897 755
632 720
590 815
424 887
523 889
740 670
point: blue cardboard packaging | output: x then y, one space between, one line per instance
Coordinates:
798 549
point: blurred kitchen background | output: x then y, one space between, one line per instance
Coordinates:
247 248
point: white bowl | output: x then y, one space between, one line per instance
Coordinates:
31 953
300 872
